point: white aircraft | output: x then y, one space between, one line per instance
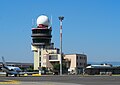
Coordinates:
10 70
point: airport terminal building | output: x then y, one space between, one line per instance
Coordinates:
103 69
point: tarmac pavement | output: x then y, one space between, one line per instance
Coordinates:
61 80
46 83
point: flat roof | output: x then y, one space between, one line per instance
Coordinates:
74 54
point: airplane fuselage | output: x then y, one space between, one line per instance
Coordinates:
11 70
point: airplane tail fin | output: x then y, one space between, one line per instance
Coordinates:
4 63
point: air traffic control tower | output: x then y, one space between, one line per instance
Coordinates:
41 39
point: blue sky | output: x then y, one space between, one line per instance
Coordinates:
90 26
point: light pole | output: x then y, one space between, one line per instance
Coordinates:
61 18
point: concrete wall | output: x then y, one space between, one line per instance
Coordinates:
36 60
72 59
41 57
77 62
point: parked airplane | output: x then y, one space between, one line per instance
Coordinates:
10 70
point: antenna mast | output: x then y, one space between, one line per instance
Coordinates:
32 22
51 21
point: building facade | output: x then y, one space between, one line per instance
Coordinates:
43 50
76 63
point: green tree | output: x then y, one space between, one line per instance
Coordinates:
30 68
56 67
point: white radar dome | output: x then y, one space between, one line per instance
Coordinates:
44 20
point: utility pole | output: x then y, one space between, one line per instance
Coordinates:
61 18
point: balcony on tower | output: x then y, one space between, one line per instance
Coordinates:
41 37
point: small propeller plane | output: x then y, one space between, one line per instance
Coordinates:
10 70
